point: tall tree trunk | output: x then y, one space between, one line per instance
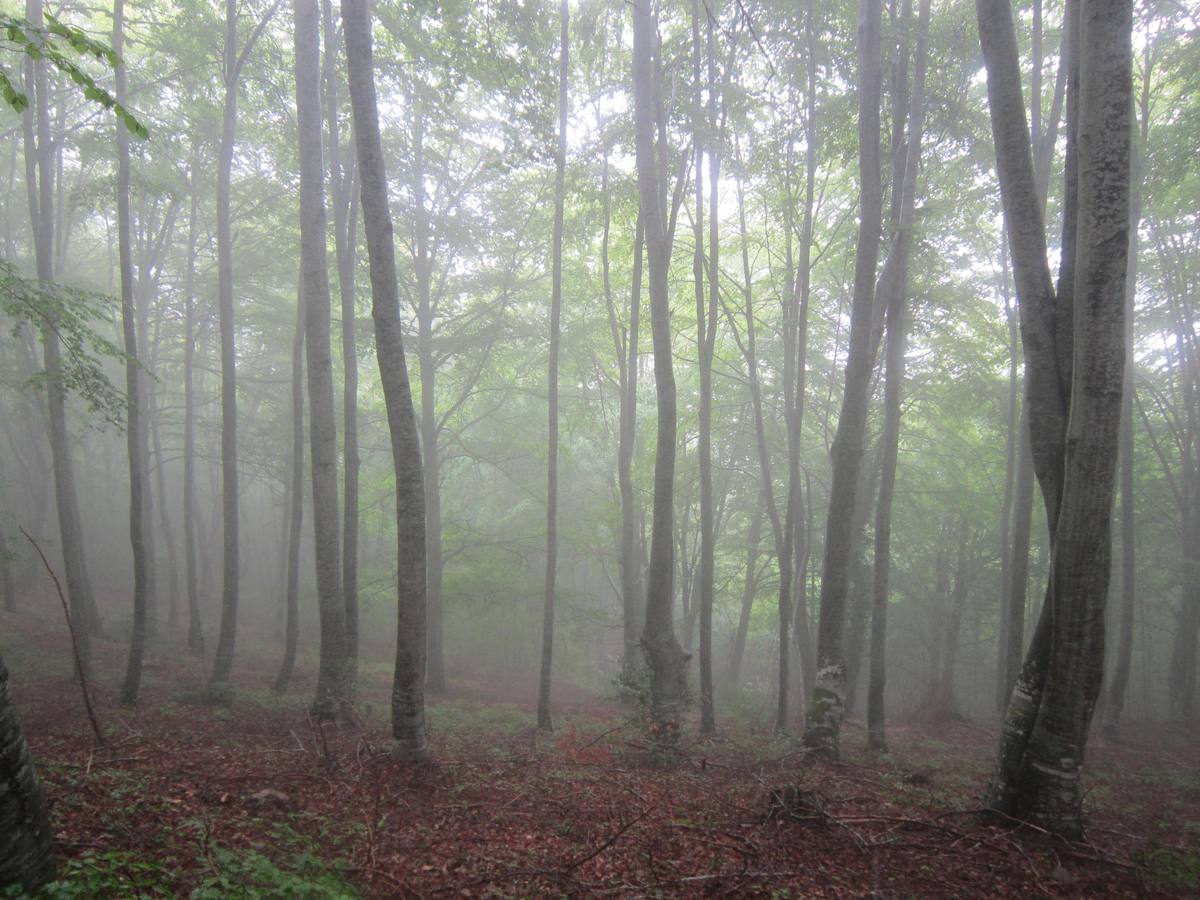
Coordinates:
829 693
135 426
664 656
408 689
195 639
331 700
295 508
1074 351
344 224
26 850
749 587
560 165
893 388
40 162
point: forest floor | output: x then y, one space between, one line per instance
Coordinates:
258 800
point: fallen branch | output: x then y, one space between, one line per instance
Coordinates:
79 667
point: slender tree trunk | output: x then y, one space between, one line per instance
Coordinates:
344 223
331 700
227 635
135 425
829 694
408 689
40 163
295 508
893 389
195 640
560 164
664 656
26 849
749 588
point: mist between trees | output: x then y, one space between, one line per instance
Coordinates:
752 365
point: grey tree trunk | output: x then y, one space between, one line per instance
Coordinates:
1074 351
829 694
295 509
345 216
749 587
195 639
408 688
135 424
331 699
560 165
26 853
893 388
666 660
40 161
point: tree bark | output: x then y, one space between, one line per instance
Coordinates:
195 639
331 698
135 425
560 164
666 660
829 694
408 689
295 508
26 852
893 389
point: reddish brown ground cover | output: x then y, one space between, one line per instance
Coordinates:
259 800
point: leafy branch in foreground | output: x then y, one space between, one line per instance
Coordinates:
73 315
48 43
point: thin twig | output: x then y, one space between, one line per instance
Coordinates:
79 667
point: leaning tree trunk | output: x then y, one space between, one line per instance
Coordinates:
331 700
135 425
829 694
408 688
666 660
26 854
560 163
1074 351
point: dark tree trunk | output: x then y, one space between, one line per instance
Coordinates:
560 164
135 425
295 509
829 694
408 689
331 700
26 853
664 656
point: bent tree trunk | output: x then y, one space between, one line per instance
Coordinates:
408 686
1074 353
26 857
666 660
829 694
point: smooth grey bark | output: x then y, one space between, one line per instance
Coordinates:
195 637
135 424
749 587
40 163
560 165
1074 352
1119 683
26 852
7 584
829 694
893 387
295 509
331 700
408 688
345 215
666 660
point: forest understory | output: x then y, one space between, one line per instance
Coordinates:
258 799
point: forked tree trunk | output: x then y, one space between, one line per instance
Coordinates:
560 164
408 687
829 694
1074 351
135 424
666 660
331 700
26 853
